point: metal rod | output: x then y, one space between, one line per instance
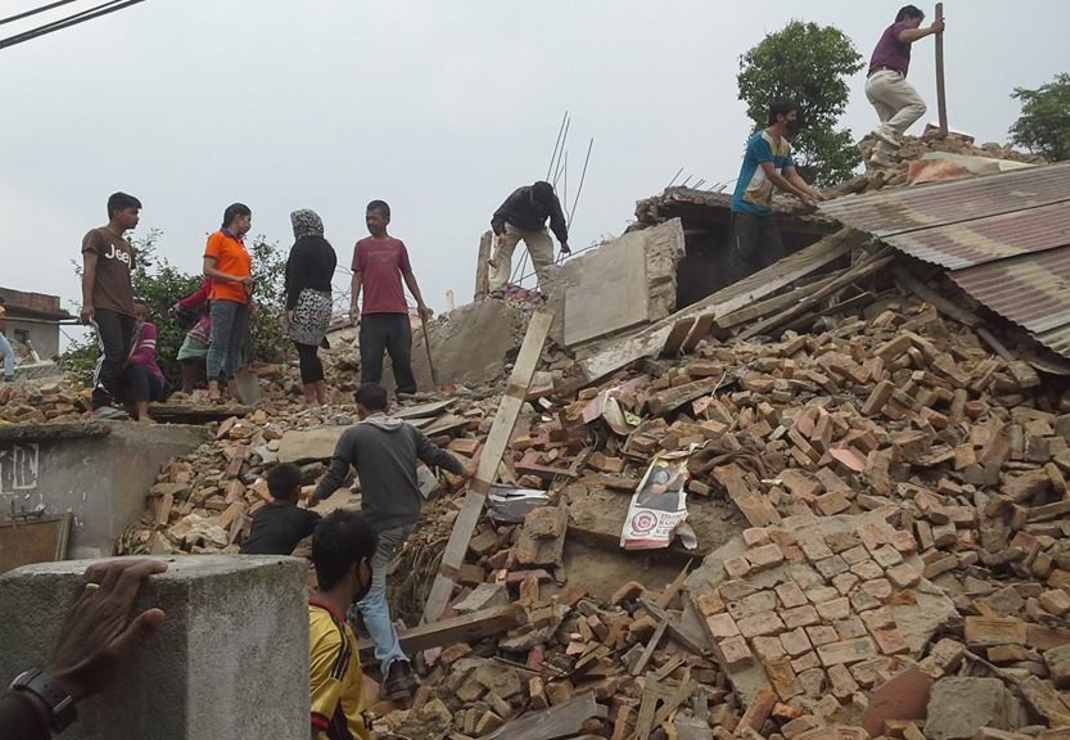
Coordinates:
560 154
678 173
579 189
941 90
557 144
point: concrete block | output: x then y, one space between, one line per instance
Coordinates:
230 661
97 472
959 707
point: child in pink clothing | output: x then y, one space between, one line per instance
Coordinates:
144 379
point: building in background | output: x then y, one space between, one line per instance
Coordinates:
32 321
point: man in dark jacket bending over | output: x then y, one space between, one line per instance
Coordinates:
384 451
523 217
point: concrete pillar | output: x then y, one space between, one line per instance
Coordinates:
230 662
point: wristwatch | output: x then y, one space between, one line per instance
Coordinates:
60 704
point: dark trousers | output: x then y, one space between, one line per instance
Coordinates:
142 385
115 332
755 244
311 367
390 332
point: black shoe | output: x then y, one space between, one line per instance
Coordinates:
400 682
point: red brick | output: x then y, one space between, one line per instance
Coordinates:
847 651
791 595
904 697
843 684
890 641
822 635
721 626
800 617
735 652
834 610
765 557
990 631
758 711
768 649
795 643
761 624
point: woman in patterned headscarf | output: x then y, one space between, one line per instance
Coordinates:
308 298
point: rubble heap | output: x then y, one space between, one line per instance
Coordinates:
901 495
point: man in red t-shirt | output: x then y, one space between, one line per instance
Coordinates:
379 264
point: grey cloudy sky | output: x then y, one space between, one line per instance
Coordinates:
441 107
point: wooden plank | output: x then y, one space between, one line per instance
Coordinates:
466 628
486 243
599 361
29 541
651 646
875 263
563 720
941 89
423 410
493 451
702 330
906 280
666 596
771 305
676 337
447 423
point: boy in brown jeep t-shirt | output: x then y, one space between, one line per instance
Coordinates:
108 298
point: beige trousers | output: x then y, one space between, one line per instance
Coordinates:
540 247
897 103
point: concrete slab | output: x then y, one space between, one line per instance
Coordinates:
230 661
97 472
620 267
469 344
304 445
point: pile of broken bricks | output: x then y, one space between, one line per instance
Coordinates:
48 402
943 466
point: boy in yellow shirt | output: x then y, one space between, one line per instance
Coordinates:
343 546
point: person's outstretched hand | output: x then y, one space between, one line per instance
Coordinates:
101 633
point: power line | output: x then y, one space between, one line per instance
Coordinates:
35 11
72 20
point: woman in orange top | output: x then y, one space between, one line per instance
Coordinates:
228 264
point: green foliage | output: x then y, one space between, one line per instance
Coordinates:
809 64
160 284
1044 126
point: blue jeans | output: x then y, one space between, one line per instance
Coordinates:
230 329
9 356
374 607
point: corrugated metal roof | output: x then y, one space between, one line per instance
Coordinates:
1005 240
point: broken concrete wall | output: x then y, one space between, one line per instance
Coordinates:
469 345
99 472
624 283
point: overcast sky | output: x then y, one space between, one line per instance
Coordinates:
440 107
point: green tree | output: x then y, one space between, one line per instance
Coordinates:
809 64
160 284
1044 126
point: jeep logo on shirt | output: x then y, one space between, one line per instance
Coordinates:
118 254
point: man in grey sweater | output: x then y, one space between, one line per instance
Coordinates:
384 452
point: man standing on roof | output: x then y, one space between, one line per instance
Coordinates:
108 299
522 217
380 263
768 164
897 102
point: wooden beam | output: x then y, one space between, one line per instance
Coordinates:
564 720
698 333
778 303
493 451
651 646
604 359
486 243
466 628
875 263
941 90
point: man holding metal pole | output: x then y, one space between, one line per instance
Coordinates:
897 102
